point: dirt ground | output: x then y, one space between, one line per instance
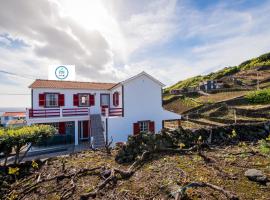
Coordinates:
158 178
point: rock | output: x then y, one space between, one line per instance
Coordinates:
256 175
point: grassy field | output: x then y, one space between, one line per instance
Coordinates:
213 98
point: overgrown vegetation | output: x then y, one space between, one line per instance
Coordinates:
260 96
14 139
177 165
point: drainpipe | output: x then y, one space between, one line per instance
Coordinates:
76 132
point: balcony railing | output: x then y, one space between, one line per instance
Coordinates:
112 112
57 112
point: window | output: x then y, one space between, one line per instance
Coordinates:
51 100
144 126
104 99
83 99
116 99
6 118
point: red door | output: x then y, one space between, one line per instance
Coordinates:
85 129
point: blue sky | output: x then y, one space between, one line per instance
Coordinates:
113 40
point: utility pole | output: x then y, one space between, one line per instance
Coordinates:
235 118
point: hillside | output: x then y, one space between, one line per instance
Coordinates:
246 70
222 106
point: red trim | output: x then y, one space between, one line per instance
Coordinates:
62 128
152 126
61 100
75 100
116 98
85 129
91 100
41 100
136 128
44 113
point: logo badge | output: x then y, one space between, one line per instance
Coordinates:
61 72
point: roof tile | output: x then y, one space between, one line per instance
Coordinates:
71 85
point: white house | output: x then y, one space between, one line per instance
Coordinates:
13 119
99 112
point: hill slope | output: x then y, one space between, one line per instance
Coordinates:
261 63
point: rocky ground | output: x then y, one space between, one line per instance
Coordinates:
159 177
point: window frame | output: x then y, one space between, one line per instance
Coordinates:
79 99
144 125
105 94
57 100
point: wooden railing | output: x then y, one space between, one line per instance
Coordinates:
58 112
44 113
112 112
66 112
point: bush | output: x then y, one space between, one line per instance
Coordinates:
260 96
13 139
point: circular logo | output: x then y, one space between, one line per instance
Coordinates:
61 72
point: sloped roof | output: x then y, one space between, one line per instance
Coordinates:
16 122
71 85
13 114
141 74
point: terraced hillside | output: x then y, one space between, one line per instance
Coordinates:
223 106
247 72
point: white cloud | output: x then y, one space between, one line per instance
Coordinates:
112 40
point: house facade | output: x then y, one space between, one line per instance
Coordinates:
211 85
99 112
13 119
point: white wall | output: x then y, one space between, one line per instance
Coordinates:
142 101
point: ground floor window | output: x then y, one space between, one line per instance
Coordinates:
144 126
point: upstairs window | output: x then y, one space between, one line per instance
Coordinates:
105 100
51 100
83 99
116 98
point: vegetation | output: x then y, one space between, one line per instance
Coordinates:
171 165
14 139
263 60
265 145
260 96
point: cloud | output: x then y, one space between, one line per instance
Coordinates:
56 38
112 40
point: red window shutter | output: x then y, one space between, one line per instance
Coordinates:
41 99
91 100
152 127
61 100
85 129
136 128
62 128
75 100
116 98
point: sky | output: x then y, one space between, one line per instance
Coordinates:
111 40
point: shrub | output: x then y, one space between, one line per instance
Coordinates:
16 138
260 96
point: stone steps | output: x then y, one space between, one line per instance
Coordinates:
97 131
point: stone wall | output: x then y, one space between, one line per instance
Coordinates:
225 135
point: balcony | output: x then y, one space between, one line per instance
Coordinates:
111 112
57 112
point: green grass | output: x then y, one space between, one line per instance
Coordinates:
260 96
